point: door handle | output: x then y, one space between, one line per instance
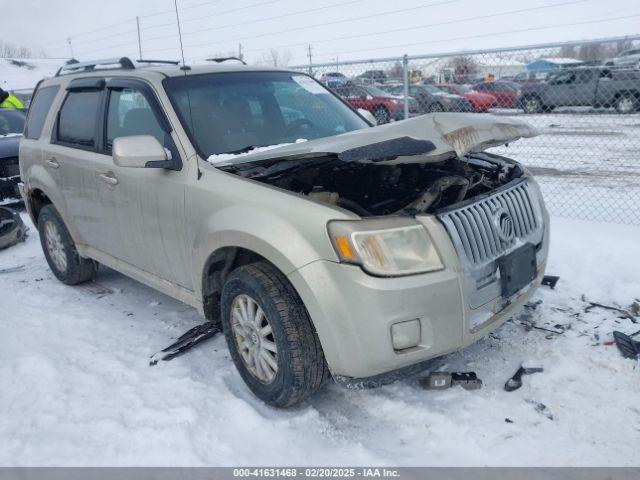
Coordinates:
111 180
52 162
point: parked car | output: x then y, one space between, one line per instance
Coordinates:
341 255
11 126
481 101
628 58
584 86
432 99
381 104
505 93
372 76
332 79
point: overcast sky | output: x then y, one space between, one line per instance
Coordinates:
100 28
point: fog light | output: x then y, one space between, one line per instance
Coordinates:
405 334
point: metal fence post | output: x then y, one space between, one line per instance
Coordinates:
405 81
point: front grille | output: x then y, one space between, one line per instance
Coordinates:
9 167
474 231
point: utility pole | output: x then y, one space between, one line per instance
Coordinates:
139 42
240 51
70 46
310 61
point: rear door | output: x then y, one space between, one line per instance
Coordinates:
74 157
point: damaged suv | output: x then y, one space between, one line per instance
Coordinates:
324 246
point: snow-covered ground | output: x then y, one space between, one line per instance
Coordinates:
77 388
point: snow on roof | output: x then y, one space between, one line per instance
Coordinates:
22 73
558 60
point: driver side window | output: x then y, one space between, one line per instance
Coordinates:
129 113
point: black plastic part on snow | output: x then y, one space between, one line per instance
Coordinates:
515 382
550 281
185 342
628 347
12 228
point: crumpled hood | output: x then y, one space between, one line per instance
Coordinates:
428 138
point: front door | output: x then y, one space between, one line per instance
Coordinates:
144 205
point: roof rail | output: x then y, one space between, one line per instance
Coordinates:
74 66
169 62
224 59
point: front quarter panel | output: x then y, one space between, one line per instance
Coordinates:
287 229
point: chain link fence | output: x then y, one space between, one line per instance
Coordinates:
583 97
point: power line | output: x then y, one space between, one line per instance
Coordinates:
260 20
468 37
305 27
430 25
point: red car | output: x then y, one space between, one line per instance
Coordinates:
381 104
505 93
481 101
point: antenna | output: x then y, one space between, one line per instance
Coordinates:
139 42
184 67
310 61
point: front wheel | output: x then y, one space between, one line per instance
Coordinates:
60 250
626 103
270 336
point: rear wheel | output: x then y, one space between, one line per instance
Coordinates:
60 250
270 336
626 103
381 115
532 105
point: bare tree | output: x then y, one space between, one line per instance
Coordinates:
9 50
463 65
567 51
276 58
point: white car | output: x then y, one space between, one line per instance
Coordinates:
628 58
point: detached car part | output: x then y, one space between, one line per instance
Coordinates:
12 228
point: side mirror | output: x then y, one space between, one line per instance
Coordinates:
139 151
368 116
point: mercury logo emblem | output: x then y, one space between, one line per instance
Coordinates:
504 225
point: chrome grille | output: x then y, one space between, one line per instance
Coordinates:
473 227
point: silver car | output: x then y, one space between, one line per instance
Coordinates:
324 246
627 58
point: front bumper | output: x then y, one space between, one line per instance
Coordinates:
9 188
353 312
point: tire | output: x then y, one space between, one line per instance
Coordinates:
626 103
60 250
532 105
301 367
381 115
436 107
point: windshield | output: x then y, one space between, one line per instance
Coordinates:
375 91
463 89
11 122
431 89
236 112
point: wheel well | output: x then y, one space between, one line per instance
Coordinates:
216 270
37 200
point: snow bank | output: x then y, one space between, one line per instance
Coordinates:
77 388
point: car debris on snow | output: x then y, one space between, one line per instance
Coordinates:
186 341
443 380
515 382
12 228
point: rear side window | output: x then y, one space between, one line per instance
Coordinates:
78 120
38 111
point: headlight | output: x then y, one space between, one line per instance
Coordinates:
385 247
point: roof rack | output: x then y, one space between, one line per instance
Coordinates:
169 62
74 66
224 59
